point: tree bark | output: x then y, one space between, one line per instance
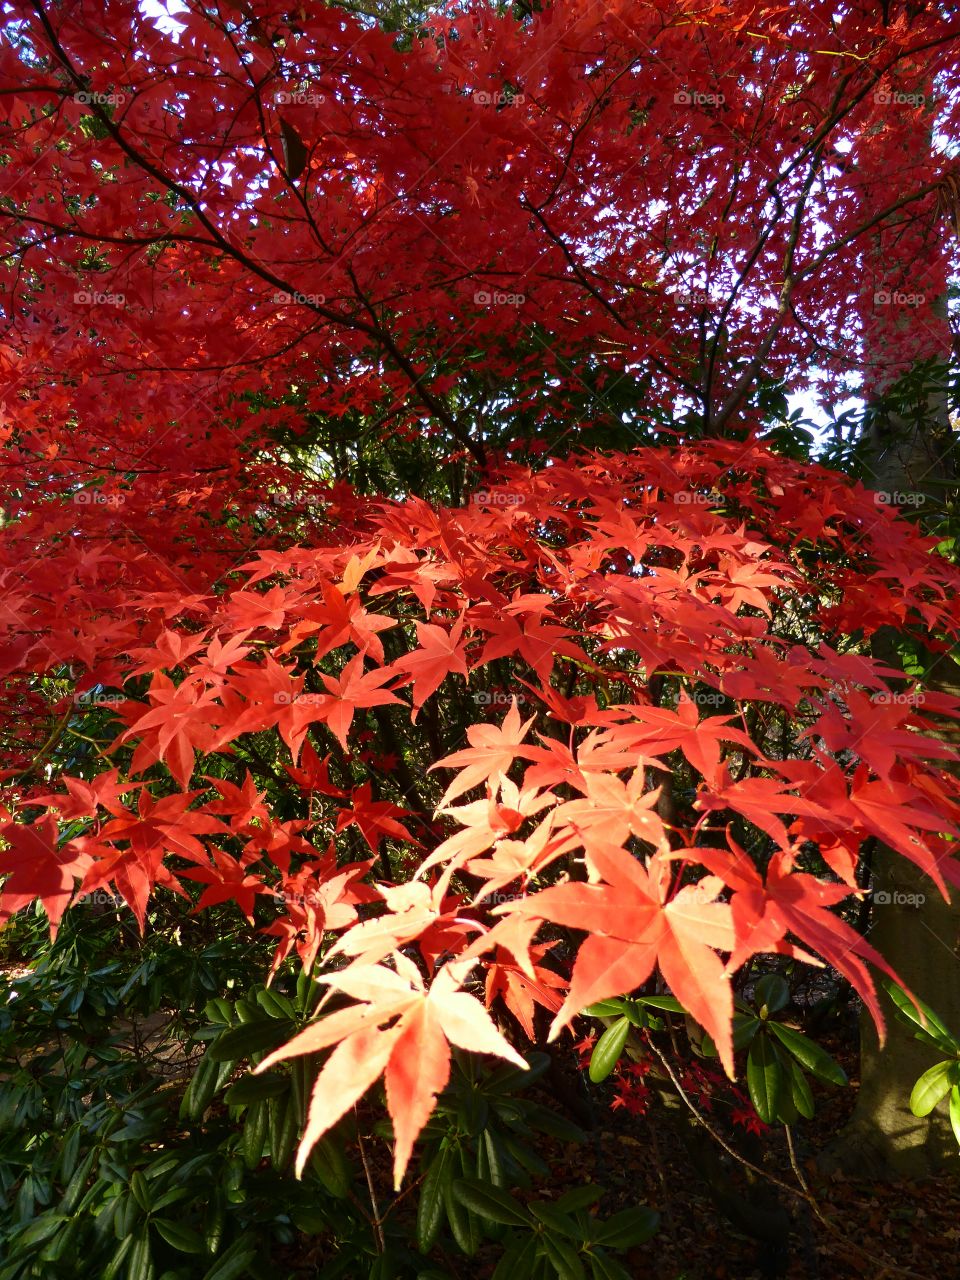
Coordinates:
911 925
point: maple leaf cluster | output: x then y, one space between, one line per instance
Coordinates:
697 747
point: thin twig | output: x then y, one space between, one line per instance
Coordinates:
717 1137
793 1159
376 1220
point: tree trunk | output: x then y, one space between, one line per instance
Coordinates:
884 1139
911 925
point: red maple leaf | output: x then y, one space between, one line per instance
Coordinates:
521 992
34 867
633 923
377 819
441 652
491 752
399 1028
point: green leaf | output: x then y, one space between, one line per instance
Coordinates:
933 1086
430 1207
608 1049
706 1048
112 1269
64 1243
553 1217
207 1079
490 1202
524 1156
604 1268
214 1222
800 1091
250 1038
771 991
564 1258
140 1265
181 1238
463 1224
518 1261
283 1138
626 1229
170 1197
495 1158
579 1198
275 1005
141 1192
786 1111
816 1060
482 1163
218 1010
41 1229
126 1217
70 1154
235 1261
907 1012
331 1167
764 1078
605 1009
955 1111
744 1029
77 1184
164 1165
668 1003
255 1088
932 1042
233 1268
254 1134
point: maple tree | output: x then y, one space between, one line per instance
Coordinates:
676 839
394 542
382 217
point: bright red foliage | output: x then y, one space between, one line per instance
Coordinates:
216 239
584 781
